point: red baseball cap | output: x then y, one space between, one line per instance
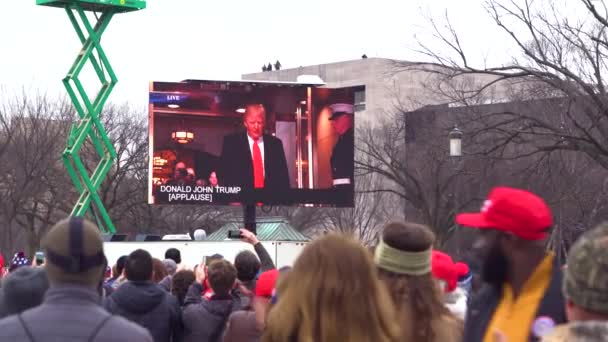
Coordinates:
265 284
516 211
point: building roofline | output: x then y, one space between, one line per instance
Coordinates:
287 83
447 107
328 64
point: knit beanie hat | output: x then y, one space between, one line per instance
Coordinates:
22 289
74 253
444 269
19 260
170 266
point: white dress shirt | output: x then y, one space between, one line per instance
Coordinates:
261 145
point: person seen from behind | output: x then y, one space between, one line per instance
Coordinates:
3 269
75 266
465 278
160 272
248 325
585 286
171 269
404 261
22 289
117 272
333 294
140 300
19 260
248 265
205 320
174 254
447 273
180 282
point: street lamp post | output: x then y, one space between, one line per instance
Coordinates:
455 139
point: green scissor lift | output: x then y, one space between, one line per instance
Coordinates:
89 109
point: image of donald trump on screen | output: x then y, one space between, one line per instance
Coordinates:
252 159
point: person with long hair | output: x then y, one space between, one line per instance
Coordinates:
403 257
180 282
160 272
332 294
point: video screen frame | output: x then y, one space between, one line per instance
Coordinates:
306 125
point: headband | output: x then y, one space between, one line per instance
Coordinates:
401 262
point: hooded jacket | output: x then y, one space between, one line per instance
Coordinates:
146 304
242 327
70 313
205 320
165 283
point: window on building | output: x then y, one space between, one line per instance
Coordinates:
359 100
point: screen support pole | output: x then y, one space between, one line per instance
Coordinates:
250 218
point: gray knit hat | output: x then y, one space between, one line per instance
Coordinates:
22 289
170 266
74 253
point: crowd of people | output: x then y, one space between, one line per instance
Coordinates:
401 289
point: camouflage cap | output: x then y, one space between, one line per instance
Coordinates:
586 276
581 331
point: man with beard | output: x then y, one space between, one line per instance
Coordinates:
522 299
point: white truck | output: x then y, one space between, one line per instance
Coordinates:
283 253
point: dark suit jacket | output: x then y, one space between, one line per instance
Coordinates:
237 164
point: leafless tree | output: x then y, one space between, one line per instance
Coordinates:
538 121
561 57
36 190
303 219
372 210
32 181
416 169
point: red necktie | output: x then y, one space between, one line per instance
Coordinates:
258 166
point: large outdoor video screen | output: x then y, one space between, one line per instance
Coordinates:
242 142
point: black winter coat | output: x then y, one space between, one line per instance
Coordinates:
205 320
148 305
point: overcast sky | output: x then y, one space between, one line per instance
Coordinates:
173 40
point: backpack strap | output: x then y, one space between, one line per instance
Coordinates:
98 328
28 332
94 334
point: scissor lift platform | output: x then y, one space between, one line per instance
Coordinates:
118 6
